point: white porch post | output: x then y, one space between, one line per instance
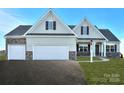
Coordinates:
94 49
104 49
91 53
118 47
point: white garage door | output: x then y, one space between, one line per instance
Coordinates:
50 53
16 52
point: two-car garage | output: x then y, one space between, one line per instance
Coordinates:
18 52
50 53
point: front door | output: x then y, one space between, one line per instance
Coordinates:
97 50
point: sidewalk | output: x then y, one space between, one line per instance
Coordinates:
101 60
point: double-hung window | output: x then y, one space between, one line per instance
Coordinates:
83 47
111 48
50 25
84 30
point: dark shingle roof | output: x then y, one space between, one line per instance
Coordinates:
71 26
20 30
109 35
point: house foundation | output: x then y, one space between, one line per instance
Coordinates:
29 55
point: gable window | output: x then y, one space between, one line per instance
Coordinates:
50 25
84 30
111 48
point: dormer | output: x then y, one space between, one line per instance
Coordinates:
86 30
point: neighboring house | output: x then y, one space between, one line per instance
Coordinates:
51 39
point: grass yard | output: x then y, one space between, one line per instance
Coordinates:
2 57
80 58
111 72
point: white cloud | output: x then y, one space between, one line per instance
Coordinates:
122 46
7 23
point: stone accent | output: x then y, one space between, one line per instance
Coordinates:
16 40
83 53
29 55
113 55
72 55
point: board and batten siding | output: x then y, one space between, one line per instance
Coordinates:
70 42
41 27
93 33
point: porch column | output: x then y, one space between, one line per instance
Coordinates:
118 47
94 49
104 49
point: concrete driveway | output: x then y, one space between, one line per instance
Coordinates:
40 73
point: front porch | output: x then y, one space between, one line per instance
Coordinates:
100 48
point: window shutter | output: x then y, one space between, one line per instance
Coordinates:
87 30
81 30
54 25
77 47
46 25
89 48
115 48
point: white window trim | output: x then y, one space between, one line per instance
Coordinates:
83 45
109 49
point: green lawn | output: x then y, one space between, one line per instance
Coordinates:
81 58
111 72
2 57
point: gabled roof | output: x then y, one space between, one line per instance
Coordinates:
22 29
109 35
42 18
19 31
86 20
71 26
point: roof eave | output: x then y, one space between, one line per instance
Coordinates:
14 36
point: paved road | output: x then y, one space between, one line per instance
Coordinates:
40 73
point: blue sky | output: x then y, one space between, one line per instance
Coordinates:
111 18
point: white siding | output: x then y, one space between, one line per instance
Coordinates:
114 43
60 28
93 33
51 41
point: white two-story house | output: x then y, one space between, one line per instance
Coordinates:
51 39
